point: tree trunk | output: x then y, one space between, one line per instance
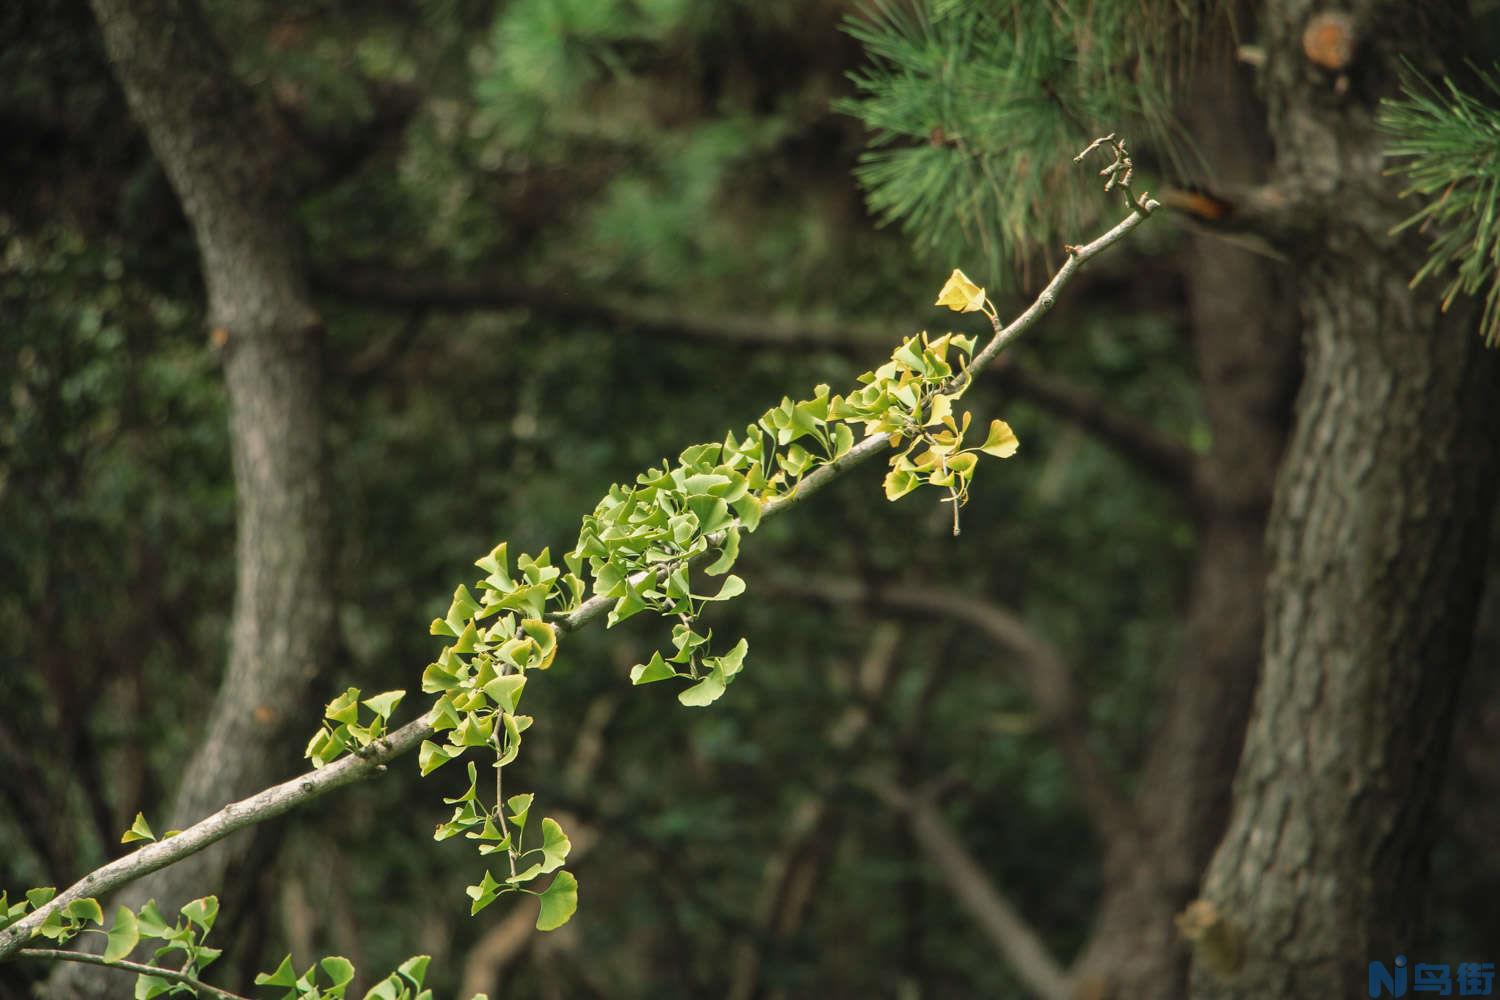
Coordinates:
1377 550
1245 347
218 149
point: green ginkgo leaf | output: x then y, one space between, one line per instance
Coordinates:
559 902
139 830
123 935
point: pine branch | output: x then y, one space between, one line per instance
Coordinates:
1449 142
969 106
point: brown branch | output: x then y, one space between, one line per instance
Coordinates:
1041 669
1275 213
392 287
42 822
498 947
793 869
1162 457
1000 921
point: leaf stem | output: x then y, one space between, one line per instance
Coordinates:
510 850
199 988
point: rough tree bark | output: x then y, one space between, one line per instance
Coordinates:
1244 336
216 147
1376 544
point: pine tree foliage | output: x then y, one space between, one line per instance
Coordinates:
1449 144
977 108
545 54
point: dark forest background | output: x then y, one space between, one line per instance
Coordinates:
549 244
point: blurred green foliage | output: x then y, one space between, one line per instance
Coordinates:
685 152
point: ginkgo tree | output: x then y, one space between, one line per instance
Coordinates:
645 547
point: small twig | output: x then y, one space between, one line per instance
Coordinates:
693 656
976 892
1048 678
1120 173
510 850
64 955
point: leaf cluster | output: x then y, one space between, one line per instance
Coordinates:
329 979
184 942
343 732
637 549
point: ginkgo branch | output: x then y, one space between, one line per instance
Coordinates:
281 798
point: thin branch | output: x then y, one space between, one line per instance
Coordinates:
281 798
372 362
1046 675
41 822
1277 214
198 988
499 946
257 808
1001 922
792 871
337 154
1158 454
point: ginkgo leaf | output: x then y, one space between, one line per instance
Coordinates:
705 692
559 902
899 483
1001 440
656 670
555 846
123 936
139 830
961 294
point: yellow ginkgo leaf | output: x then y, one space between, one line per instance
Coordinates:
1001 440
960 294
